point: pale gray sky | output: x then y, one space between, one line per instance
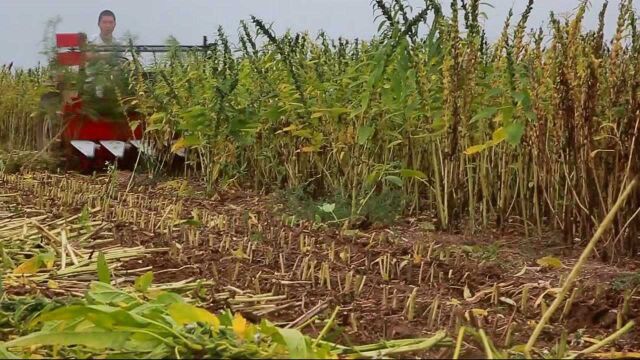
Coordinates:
22 22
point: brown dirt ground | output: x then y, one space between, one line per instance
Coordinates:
265 254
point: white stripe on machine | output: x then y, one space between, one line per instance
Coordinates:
87 148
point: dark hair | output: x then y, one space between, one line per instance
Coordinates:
106 13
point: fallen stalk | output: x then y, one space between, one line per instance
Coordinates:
606 341
608 220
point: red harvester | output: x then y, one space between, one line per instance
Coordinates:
91 141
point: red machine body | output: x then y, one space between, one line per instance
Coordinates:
93 142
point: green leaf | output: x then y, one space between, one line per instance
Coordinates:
195 118
93 339
332 112
141 342
107 317
193 222
154 127
157 118
161 352
143 282
494 92
62 314
168 298
514 133
104 293
192 140
507 114
47 259
274 114
531 116
305 133
373 177
328 208
5 354
103 269
7 263
394 179
484 114
410 173
523 98
185 314
296 343
103 316
364 133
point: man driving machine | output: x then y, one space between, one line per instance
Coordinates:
107 24
103 64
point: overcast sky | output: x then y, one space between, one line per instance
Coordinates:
22 22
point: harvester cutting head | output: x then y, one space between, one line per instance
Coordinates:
91 139
97 130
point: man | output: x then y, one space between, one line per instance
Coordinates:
106 23
101 68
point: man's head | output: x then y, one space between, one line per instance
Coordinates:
107 23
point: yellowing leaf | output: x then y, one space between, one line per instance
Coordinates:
133 125
185 313
239 254
498 136
288 128
550 261
467 293
51 284
480 312
454 301
180 144
474 149
309 149
395 143
30 266
154 293
157 117
305 133
185 142
524 269
508 301
239 325
410 173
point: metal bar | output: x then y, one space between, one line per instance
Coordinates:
139 48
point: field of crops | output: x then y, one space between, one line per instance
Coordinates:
428 189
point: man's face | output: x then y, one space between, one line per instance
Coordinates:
107 24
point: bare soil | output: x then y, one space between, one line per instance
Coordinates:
244 240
